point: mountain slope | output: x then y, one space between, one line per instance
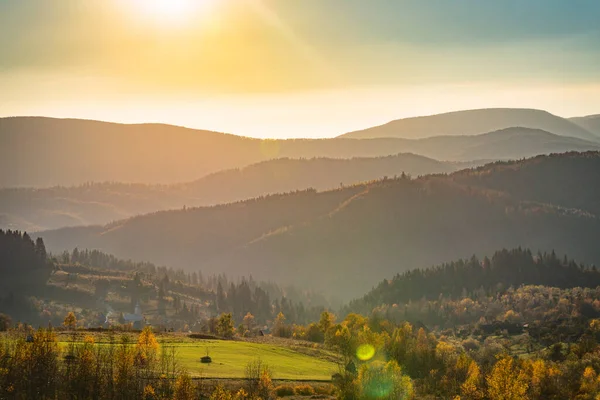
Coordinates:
40 151
51 208
45 152
345 240
390 228
509 143
591 123
566 180
473 122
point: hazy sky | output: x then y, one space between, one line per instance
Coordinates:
289 68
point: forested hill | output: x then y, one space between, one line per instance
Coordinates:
348 239
474 276
568 180
100 203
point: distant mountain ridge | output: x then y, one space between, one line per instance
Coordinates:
352 237
504 144
474 122
43 152
50 208
589 122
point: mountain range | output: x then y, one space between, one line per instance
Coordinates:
347 239
473 122
33 209
43 152
591 123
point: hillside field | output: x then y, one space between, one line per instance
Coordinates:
285 359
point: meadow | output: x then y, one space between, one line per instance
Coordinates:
285 358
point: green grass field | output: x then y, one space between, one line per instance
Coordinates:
230 358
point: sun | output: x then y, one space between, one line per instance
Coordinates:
173 10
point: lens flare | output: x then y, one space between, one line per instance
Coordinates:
365 352
269 148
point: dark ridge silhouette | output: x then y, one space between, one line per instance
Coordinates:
42 152
346 240
473 122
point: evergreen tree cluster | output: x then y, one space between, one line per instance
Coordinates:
99 259
19 254
249 297
462 278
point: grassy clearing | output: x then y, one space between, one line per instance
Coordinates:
229 358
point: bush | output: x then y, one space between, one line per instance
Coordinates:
326 390
470 344
304 390
314 334
284 390
258 379
202 336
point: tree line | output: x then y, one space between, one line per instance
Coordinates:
467 278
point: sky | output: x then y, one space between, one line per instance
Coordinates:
295 68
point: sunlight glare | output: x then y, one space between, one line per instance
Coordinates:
172 10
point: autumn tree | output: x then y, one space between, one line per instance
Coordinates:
70 321
249 322
225 327
147 347
125 385
471 388
258 379
184 388
84 370
280 328
590 384
378 380
326 321
507 381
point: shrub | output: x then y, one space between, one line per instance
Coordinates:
470 344
314 334
304 390
202 336
326 390
258 379
284 390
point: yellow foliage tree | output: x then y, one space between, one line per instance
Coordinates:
507 381
471 388
147 346
538 372
265 384
590 384
70 321
149 393
124 368
220 394
184 388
